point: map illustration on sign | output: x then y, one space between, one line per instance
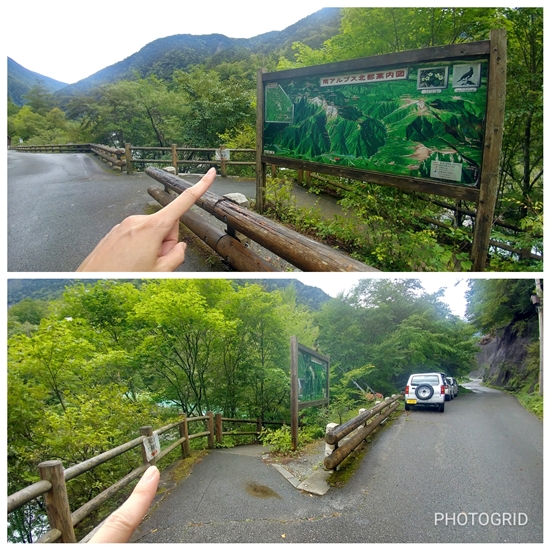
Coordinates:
425 120
312 376
279 106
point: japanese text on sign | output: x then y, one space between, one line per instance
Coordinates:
365 77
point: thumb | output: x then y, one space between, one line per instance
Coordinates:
172 259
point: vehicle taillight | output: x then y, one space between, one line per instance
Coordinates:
406 389
442 390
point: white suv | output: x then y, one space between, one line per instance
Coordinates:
427 388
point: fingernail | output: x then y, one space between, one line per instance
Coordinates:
149 473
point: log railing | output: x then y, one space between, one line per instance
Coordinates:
53 476
300 251
362 426
65 148
129 156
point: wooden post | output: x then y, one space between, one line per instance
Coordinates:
184 432
210 422
219 428
260 166
128 154
496 96
308 178
294 391
147 431
175 157
56 499
300 177
223 161
258 427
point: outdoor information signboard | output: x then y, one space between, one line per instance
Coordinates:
418 119
309 382
425 120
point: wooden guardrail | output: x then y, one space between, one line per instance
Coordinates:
53 476
129 156
363 425
302 252
65 148
221 157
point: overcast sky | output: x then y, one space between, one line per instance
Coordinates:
68 41
335 283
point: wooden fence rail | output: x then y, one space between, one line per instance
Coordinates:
130 155
302 252
54 477
376 415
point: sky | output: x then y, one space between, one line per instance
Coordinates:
68 40
335 283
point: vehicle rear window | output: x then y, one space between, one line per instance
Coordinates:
431 379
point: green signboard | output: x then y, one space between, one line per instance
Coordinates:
421 120
312 376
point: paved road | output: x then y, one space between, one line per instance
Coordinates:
61 205
428 477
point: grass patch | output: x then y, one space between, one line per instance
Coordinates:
462 390
533 402
183 469
349 466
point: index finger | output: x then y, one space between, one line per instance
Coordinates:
179 206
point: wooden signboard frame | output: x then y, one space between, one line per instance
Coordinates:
493 51
295 403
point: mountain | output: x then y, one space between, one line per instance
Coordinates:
310 296
162 56
21 80
36 289
49 289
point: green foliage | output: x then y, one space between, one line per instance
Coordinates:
202 94
533 402
494 303
383 331
110 356
280 440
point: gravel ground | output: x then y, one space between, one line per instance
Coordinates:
302 464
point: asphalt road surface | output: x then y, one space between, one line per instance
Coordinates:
471 474
61 205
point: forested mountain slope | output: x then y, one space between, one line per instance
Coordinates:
164 55
21 80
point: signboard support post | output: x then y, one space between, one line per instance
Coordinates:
493 143
294 391
260 166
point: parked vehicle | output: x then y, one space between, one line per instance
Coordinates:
453 386
448 396
426 388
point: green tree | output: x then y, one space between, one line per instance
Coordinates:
40 100
26 123
212 106
384 329
495 303
180 340
522 168
54 356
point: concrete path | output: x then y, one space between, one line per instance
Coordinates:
61 205
472 474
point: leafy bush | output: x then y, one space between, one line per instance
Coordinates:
280 440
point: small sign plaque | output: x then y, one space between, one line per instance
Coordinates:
152 446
